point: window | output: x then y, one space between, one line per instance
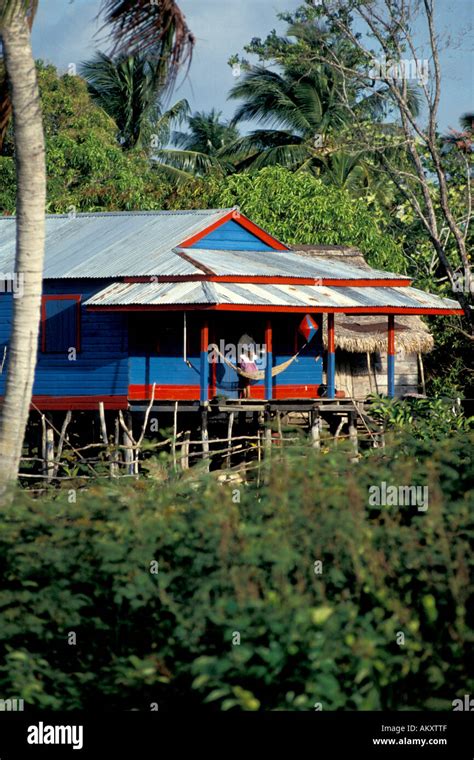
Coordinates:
60 324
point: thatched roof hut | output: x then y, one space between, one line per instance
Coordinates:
361 341
368 334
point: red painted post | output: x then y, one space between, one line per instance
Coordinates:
391 356
269 360
204 379
331 367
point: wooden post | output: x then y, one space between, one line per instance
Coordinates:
128 454
204 367
422 373
391 356
269 360
48 447
316 429
117 444
230 425
175 433
268 435
185 451
338 430
369 370
205 437
103 428
259 455
353 436
331 368
62 438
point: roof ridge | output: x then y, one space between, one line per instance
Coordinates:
157 212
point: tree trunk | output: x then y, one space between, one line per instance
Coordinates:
31 197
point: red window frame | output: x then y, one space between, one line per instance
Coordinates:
69 297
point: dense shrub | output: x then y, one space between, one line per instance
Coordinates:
228 569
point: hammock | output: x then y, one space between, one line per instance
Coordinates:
260 374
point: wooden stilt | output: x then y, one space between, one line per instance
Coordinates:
338 429
117 444
48 447
62 438
185 451
136 445
316 429
205 437
103 429
353 436
280 434
175 433
268 436
369 371
230 425
259 455
128 454
422 374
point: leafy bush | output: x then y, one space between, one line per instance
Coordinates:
81 563
299 208
424 418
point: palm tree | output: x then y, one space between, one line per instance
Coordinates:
207 133
307 122
31 198
200 150
301 113
128 89
135 26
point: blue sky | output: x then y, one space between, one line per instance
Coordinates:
64 33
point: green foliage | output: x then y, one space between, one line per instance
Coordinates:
247 568
86 168
128 89
299 208
425 418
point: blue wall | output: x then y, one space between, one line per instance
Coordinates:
148 366
232 236
101 367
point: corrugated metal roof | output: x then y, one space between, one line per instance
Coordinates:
281 264
313 297
134 244
117 244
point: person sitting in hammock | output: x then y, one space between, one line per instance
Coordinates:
247 363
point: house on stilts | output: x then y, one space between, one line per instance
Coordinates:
134 303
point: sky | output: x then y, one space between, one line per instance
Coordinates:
66 32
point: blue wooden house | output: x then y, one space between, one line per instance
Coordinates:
133 301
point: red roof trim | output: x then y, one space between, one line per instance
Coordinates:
289 309
244 222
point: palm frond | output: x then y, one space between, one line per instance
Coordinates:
155 27
185 162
